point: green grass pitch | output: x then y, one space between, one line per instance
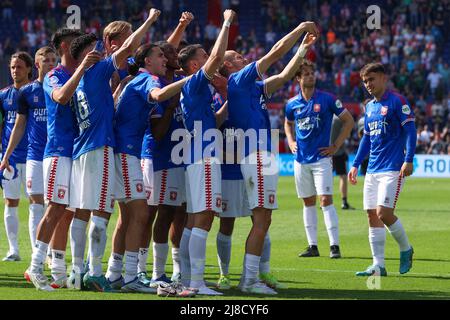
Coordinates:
423 207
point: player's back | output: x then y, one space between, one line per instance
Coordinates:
131 117
61 125
94 108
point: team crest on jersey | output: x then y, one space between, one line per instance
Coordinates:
384 110
271 198
35 99
317 107
29 183
218 202
61 193
173 195
139 187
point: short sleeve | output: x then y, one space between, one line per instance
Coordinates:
289 111
106 67
148 86
246 76
22 102
197 81
156 111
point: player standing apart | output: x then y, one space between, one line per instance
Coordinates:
390 139
20 66
311 112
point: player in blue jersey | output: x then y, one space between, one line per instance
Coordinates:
20 67
248 112
58 90
168 188
93 148
32 112
310 114
143 93
203 187
390 140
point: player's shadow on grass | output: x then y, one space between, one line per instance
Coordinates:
357 294
397 259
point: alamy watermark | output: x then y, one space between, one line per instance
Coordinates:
374 282
74 18
232 146
374 20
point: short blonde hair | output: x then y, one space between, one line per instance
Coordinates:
43 51
115 29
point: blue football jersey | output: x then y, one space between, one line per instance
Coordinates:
148 144
9 107
383 122
162 150
196 101
231 169
313 120
94 108
132 115
32 105
247 106
61 123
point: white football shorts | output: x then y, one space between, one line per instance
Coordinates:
234 200
382 189
57 172
168 187
314 178
35 177
11 188
129 179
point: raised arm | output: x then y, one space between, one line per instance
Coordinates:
220 46
176 36
63 94
284 45
163 94
132 43
277 81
